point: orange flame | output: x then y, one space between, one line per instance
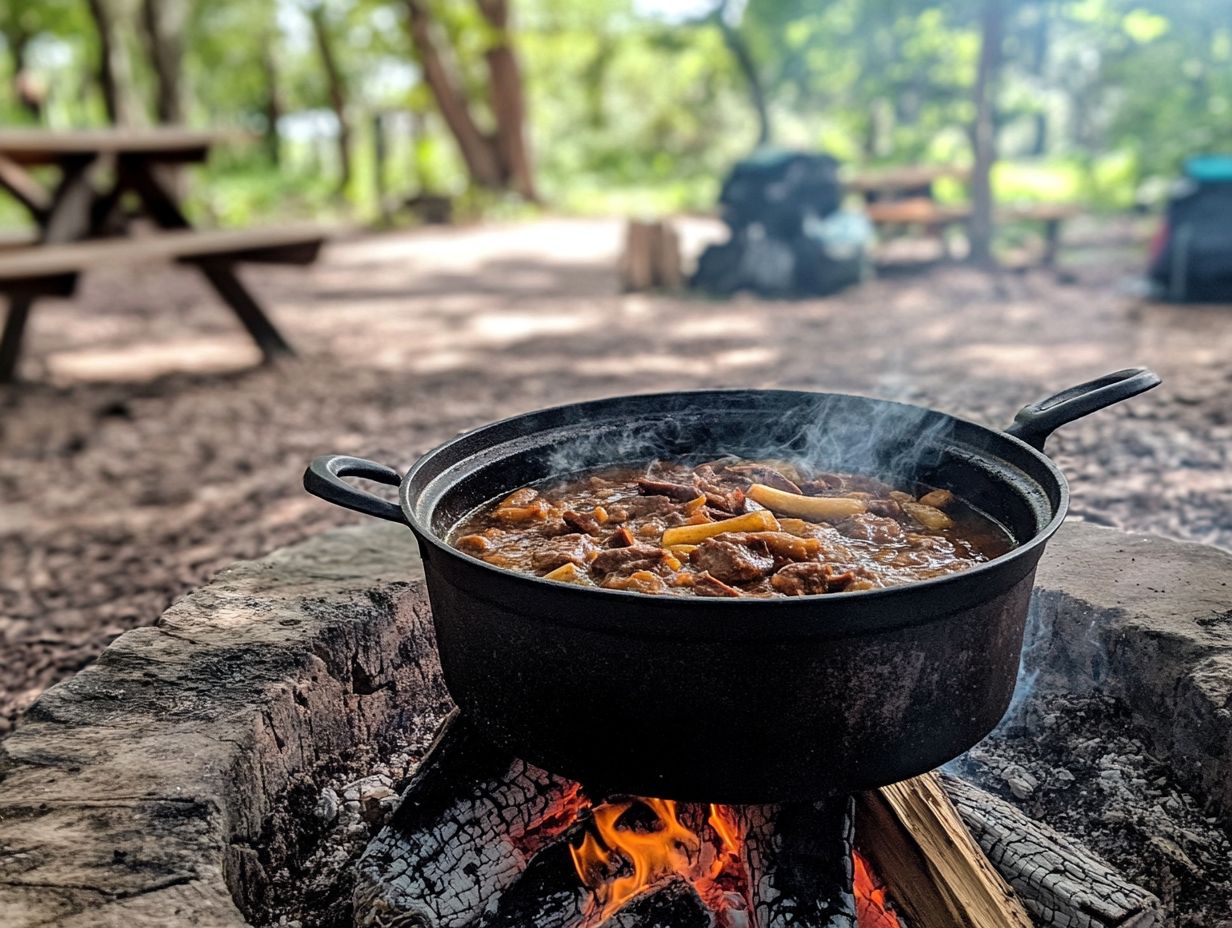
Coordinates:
620 857
873 909
632 845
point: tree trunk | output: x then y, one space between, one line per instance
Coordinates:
337 91
273 100
744 60
163 29
983 132
482 160
1039 59
508 101
114 66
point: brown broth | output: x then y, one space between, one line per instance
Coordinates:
614 527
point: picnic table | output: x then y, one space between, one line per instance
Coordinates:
906 182
903 197
79 223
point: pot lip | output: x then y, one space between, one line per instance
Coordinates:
706 603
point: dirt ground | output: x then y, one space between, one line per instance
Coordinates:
146 451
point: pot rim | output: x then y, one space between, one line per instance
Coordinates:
970 575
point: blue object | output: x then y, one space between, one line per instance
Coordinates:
1209 168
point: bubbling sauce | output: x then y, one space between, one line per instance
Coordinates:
730 528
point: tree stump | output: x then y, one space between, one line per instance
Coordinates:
651 257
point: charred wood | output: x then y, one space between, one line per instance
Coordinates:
469 826
1062 884
798 860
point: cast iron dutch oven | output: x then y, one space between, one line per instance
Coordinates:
734 700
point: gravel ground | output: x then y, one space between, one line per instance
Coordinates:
122 485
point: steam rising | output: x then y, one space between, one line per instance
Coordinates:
893 441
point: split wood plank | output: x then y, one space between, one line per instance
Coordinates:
935 872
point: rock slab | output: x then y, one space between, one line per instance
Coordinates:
147 789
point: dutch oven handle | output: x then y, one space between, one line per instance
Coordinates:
324 475
1035 422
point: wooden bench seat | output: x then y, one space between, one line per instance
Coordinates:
52 269
278 245
936 217
916 211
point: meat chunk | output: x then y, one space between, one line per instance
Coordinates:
731 562
649 505
868 527
519 498
641 581
706 585
588 525
810 579
612 560
621 538
730 502
564 549
784 547
677 491
763 473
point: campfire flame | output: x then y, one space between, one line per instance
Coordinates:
873 908
630 846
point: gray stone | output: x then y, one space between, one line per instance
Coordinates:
137 793
1148 621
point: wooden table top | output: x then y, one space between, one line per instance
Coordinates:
50 146
907 177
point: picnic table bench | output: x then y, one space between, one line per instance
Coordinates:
72 218
897 198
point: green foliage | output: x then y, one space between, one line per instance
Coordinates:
636 112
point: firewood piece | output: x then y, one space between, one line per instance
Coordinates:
934 871
798 860
1061 883
673 906
468 827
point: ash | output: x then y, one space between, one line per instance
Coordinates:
330 821
1076 763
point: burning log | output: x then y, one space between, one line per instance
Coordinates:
463 840
935 872
1061 884
798 860
481 839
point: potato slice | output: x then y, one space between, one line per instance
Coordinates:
759 521
931 518
813 508
938 499
567 572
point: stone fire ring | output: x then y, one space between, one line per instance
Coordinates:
151 788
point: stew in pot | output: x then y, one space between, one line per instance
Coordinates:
732 527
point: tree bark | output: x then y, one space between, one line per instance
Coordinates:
983 132
337 91
479 154
1039 59
114 66
508 101
748 68
270 137
163 30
